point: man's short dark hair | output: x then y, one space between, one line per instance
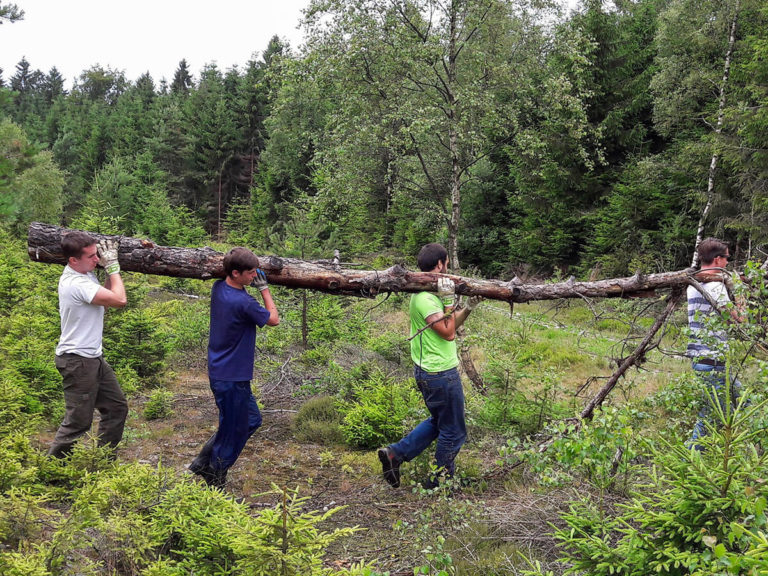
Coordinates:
711 248
430 255
239 259
73 243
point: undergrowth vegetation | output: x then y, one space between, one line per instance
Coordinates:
632 494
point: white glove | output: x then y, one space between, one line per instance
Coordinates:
260 280
107 251
473 302
446 291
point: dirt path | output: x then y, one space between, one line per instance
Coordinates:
331 476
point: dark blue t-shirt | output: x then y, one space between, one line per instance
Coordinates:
232 337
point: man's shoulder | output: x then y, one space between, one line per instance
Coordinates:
73 278
424 297
425 303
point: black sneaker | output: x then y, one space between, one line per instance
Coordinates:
390 466
213 478
432 481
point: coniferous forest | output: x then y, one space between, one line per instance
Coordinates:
533 143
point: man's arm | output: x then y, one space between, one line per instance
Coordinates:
112 294
269 304
443 323
447 322
260 282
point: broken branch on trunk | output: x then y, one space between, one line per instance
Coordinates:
137 255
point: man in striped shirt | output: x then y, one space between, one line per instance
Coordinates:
708 346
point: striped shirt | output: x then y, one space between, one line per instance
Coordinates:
705 342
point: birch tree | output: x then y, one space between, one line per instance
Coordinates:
696 43
430 75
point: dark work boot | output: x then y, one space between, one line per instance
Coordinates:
61 450
390 466
203 459
213 478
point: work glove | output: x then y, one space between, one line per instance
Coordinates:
473 302
107 251
446 291
260 281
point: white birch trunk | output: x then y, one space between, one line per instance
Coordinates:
718 130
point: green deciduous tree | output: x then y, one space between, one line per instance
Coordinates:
31 184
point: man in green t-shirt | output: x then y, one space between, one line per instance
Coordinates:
434 320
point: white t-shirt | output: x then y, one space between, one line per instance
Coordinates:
82 323
704 341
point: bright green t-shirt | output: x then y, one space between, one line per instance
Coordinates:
428 349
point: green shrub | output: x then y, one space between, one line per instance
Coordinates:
159 405
391 346
696 512
318 421
16 453
187 327
22 564
378 411
133 519
135 339
325 317
24 516
587 451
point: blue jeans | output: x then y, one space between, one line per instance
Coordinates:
712 376
444 398
239 417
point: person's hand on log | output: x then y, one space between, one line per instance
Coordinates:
107 251
446 291
260 280
473 302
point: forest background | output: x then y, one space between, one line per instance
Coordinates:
530 142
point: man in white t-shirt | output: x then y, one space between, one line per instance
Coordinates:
89 382
707 347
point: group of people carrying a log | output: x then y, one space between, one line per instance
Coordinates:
89 382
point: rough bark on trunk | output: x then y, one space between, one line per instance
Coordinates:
136 255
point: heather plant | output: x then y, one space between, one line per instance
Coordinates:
318 420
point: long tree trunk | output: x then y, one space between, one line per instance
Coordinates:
136 255
718 130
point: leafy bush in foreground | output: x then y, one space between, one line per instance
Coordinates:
697 512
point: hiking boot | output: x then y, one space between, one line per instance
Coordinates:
219 479
213 478
390 466
431 482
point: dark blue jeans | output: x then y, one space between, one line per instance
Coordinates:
444 398
711 376
239 417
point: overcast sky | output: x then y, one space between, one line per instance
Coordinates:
137 36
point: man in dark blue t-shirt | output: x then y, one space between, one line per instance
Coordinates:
231 346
